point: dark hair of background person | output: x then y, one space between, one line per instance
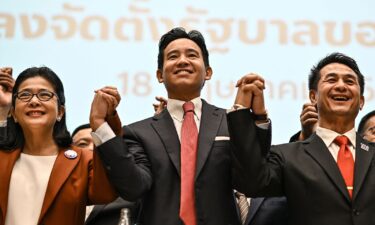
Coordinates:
61 134
362 123
335 57
81 127
177 33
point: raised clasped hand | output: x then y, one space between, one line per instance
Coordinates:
250 93
6 88
104 104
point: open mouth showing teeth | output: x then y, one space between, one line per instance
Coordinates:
340 98
35 113
182 71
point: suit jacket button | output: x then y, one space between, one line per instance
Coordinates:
355 212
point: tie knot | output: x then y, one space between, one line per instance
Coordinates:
341 140
239 194
188 107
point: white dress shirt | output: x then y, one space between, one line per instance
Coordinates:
328 136
177 113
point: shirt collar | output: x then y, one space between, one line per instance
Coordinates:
328 136
174 107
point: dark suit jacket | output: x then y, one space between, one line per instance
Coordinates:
267 211
306 173
73 184
110 214
152 170
295 137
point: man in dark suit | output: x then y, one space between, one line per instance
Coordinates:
259 211
151 163
328 178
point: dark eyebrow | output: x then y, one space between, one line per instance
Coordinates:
351 76
171 52
27 89
83 139
30 90
345 75
191 50
331 75
177 51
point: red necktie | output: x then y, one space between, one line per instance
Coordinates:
345 162
189 142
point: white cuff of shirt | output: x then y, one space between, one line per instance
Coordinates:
102 134
3 123
264 126
237 107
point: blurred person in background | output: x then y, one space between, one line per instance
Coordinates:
366 127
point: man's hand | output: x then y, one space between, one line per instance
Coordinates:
159 107
113 98
250 93
309 120
6 88
104 104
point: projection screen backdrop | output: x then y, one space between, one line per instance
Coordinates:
90 44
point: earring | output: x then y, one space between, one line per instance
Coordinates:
58 119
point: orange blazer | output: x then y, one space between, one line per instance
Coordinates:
73 184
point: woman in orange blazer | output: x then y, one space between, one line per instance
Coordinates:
43 179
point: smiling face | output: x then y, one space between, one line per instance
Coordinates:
36 113
184 71
338 95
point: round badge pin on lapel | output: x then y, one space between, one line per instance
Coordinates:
70 154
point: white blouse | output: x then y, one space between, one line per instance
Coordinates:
28 184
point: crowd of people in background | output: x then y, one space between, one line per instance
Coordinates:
191 163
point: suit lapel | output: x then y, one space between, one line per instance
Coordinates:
254 206
94 213
8 159
316 148
164 127
363 159
61 171
209 125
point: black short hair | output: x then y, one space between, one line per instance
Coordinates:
362 123
335 57
81 127
177 33
61 134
